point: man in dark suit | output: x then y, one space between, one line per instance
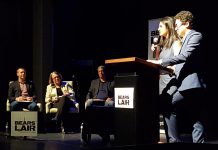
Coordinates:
101 91
189 70
21 93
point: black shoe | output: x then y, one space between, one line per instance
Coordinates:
54 119
84 139
106 140
106 143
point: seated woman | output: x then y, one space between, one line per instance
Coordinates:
59 95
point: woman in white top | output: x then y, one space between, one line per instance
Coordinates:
59 94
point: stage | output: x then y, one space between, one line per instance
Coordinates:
71 141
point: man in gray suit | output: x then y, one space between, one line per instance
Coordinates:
191 91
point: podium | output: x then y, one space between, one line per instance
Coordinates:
136 100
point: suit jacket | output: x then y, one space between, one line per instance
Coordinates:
51 91
15 91
189 69
94 88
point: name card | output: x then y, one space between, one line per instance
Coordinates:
124 97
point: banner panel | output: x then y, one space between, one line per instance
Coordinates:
152 32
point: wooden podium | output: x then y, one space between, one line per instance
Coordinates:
136 100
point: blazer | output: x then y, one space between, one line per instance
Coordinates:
15 91
94 88
189 70
51 91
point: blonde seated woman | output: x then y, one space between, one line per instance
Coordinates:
59 95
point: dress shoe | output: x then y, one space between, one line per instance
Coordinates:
105 139
54 119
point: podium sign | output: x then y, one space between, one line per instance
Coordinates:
24 123
124 97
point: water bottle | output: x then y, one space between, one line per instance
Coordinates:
6 127
81 127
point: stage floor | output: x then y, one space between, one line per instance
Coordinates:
71 141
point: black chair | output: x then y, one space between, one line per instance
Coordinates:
97 120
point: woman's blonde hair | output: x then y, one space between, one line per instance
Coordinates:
50 81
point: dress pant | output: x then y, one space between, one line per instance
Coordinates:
192 101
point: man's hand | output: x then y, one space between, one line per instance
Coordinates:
20 99
109 99
29 99
158 62
24 99
171 69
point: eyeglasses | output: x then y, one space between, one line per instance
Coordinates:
56 77
177 26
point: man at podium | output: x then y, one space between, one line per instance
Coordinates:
190 74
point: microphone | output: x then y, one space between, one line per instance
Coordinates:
156 40
156 48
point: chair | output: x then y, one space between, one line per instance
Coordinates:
8 110
58 126
8 106
95 122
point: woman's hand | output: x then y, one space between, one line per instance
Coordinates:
158 62
66 93
153 47
55 100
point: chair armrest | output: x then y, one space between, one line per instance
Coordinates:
8 105
39 106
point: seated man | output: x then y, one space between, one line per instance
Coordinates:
21 93
101 92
